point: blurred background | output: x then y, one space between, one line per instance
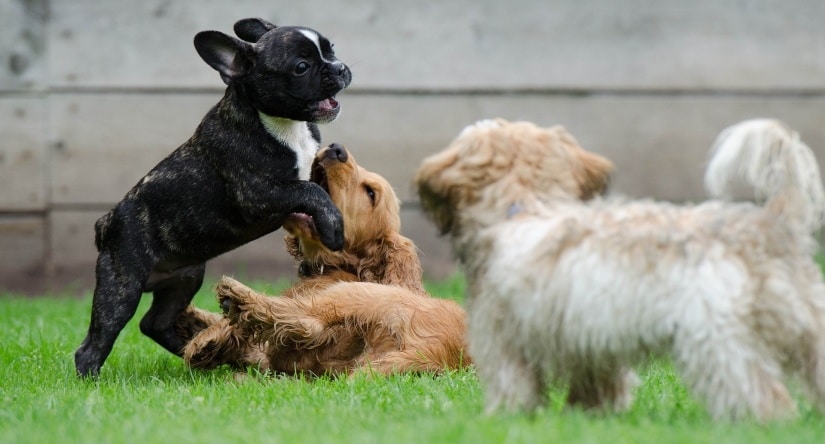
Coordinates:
94 93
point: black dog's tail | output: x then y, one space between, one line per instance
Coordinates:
102 229
779 167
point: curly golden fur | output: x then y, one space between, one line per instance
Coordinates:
565 286
348 327
390 324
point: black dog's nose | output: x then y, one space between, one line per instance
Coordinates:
337 151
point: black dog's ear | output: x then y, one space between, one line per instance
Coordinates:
251 29
231 57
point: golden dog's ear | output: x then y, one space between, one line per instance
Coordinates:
593 176
392 261
293 247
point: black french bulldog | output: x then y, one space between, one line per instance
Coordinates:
236 179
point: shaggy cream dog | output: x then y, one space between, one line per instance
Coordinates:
564 286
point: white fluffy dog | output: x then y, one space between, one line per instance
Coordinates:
564 286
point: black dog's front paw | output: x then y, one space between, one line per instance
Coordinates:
330 227
87 362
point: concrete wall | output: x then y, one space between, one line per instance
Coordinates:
94 93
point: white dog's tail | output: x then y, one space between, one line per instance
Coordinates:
782 170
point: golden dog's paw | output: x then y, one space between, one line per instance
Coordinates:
221 344
226 304
202 355
233 296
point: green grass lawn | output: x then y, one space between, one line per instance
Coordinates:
146 395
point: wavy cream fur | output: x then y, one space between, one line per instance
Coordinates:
780 167
566 287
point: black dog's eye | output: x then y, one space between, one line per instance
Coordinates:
370 193
301 68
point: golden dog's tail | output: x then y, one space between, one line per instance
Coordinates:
769 157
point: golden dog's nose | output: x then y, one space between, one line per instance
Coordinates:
337 151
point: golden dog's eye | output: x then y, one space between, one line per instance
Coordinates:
370 193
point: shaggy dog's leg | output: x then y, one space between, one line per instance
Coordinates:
812 341
512 383
815 371
735 377
809 334
510 380
605 388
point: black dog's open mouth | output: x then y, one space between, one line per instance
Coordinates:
327 105
326 110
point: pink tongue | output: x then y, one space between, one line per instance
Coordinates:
326 104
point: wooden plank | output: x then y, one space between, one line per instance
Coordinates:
105 143
23 54
659 143
72 238
22 153
461 44
23 246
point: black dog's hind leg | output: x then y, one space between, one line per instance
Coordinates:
171 297
115 300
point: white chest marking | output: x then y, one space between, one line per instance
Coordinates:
295 135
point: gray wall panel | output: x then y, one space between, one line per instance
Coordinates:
462 44
94 93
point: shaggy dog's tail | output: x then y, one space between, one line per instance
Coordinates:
769 157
